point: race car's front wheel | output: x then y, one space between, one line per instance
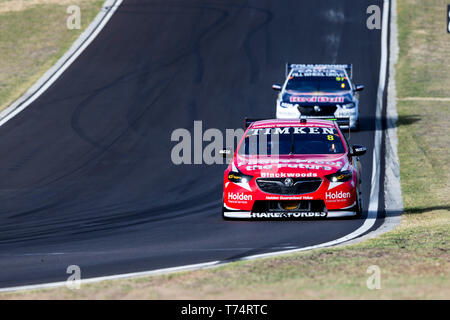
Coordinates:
358 208
223 213
223 210
356 127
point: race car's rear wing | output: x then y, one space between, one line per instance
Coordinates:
347 67
249 121
341 122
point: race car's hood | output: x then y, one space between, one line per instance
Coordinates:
315 98
300 165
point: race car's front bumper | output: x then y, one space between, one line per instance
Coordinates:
330 200
293 113
287 215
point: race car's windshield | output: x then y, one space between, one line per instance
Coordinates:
327 84
291 140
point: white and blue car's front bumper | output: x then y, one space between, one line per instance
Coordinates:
290 111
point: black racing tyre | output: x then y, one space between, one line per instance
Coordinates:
223 214
357 127
223 211
358 208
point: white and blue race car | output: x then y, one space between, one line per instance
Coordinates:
319 91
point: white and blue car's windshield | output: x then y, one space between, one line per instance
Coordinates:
314 83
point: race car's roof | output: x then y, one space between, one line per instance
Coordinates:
273 123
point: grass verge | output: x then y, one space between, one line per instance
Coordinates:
33 36
414 259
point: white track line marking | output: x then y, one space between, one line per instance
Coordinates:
368 222
190 267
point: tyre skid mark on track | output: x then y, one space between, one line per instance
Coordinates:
108 222
95 253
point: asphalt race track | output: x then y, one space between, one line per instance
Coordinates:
86 176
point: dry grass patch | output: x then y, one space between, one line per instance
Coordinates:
33 36
20 5
424 154
423 69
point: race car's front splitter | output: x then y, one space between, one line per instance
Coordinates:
251 215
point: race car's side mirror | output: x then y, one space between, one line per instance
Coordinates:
276 87
357 150
359 87
226 153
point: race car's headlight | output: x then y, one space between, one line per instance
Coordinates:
340 176
239 177
350 105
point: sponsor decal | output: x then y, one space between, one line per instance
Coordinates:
337 195
286 105
285 130
232 176
289 198
345 112
288 113
288 214
239 196
281 124
276 161
288 175
320 99
318 73
273 164
284 165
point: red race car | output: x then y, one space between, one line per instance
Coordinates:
292 169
